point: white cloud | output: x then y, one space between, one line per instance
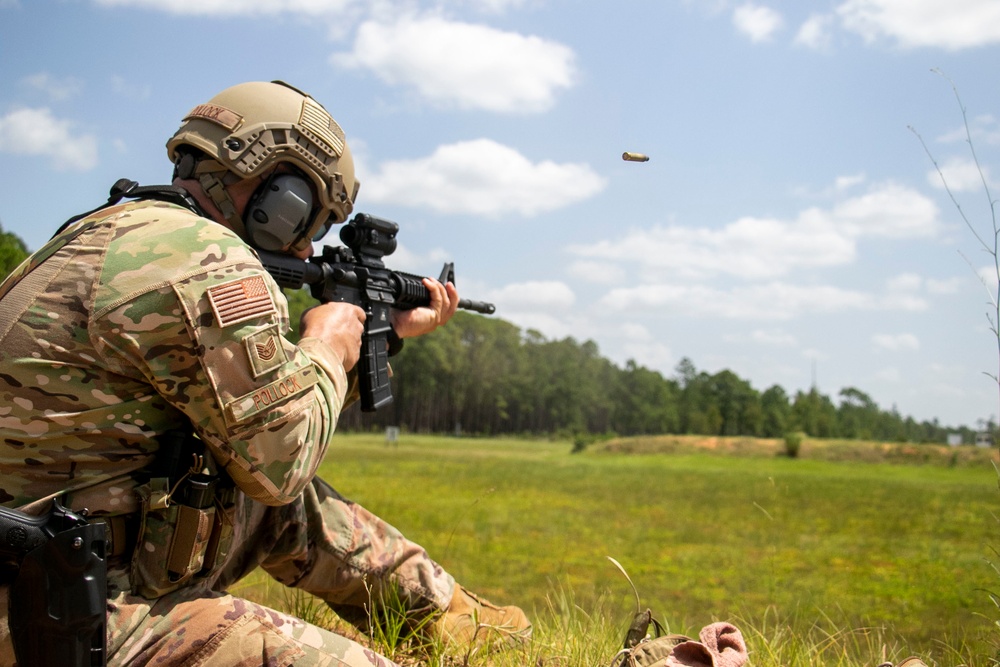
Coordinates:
766 301
403 259
909 303
482 177
896 342
771 301
961 175
902 293
541 305
815 32
639 344
889 210
773 337
769 337
757 22
38 132
813 353
463 65
847 182
766 248
543 295
947 286
989 277
752 248
905 282
492 6
838 190
234 7
550 326
597 272
58 89
983 129
920 23
889 374
636 332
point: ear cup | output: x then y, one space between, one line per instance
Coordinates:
278 212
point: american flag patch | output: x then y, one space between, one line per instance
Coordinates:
240 300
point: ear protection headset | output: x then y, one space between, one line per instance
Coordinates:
279 212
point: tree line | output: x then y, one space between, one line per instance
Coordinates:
483 375
12 251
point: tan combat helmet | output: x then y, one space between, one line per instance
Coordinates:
248 129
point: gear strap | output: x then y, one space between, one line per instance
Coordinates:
32 277
213 178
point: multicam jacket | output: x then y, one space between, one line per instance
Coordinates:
149 316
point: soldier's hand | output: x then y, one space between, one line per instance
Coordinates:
340 326
418 321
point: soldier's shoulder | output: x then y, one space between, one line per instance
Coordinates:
156 244
166 226
155 234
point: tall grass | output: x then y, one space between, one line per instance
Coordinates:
818 562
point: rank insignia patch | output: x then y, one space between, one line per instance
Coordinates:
264 350
240 300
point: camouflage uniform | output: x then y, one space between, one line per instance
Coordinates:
149 318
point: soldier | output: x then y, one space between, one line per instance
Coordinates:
145 321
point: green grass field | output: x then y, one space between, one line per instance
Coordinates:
836 557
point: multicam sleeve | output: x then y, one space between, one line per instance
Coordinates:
214 345
273 406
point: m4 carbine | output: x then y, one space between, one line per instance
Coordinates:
355 273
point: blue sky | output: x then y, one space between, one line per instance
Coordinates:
789 225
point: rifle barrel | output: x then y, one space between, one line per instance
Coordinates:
477 306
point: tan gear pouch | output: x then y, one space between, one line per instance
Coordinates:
172 541
654 652
222 529
191 535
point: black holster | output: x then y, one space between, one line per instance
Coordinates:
58 602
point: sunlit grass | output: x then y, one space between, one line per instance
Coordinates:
817 562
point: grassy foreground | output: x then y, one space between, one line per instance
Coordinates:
852 554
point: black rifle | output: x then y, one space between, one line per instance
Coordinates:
58 601
356 274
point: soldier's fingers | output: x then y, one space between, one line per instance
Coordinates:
438 295
452 305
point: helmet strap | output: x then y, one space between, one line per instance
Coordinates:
208 173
